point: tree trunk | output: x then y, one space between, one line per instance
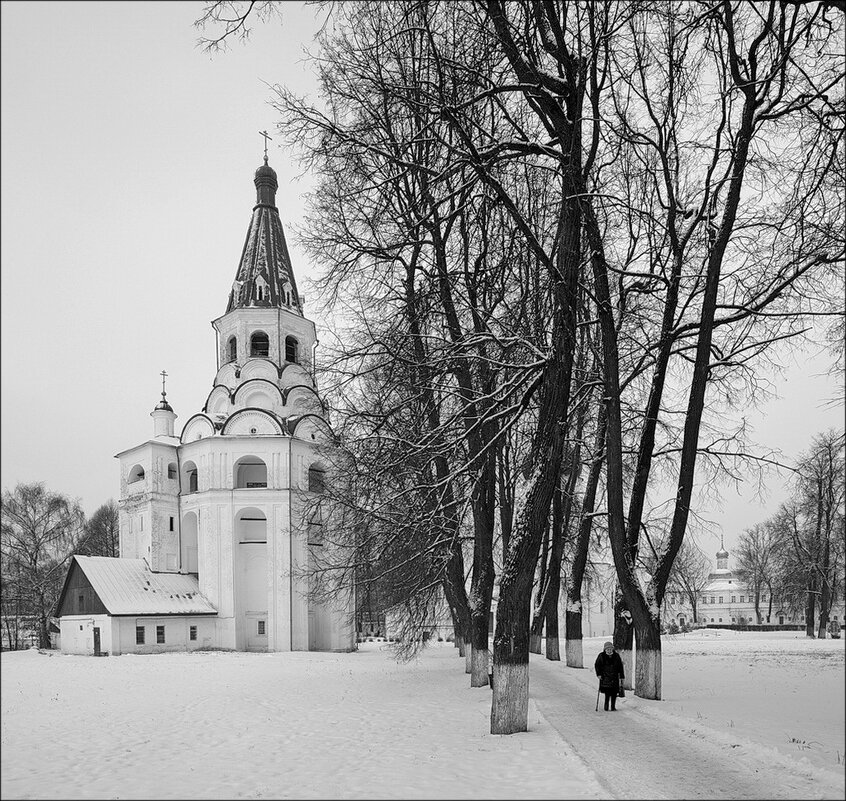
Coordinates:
536 631
480 657
573 650
506 492
456 594
539 616
648 663
810 607
510 703
624 637
825 593
553 577
43 629
484 510
573 615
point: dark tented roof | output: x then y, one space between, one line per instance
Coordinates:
265 266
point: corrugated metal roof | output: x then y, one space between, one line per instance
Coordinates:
129 587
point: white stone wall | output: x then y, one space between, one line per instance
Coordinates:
77 633
177 630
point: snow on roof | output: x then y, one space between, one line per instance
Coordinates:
129 587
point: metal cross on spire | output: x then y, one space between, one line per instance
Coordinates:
163 374
266 137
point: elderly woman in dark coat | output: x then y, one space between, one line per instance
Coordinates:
609 669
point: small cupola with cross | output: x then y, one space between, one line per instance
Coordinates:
163 415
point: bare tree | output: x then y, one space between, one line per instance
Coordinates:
690 575
41 530
102 532
816 524
757 563
708 312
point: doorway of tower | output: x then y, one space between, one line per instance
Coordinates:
251 580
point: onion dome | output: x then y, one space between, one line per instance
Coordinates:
266 185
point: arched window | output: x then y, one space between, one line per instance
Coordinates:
259 344
171 470
292 350
316 480
250 526
135 474
189 477
250 473
232 349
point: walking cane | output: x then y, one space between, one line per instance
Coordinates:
597 700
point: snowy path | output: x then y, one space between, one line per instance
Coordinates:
638 752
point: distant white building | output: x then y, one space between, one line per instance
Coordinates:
726 600
212 522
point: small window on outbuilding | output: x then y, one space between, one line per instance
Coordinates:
81 603
160 637
192 632
261 628
259 345
292 350
171 524
139 635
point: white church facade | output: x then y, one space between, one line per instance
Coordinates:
219 526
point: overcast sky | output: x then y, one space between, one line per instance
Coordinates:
127 164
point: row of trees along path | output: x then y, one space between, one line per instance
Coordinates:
561 241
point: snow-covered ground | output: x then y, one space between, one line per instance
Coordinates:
311 725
